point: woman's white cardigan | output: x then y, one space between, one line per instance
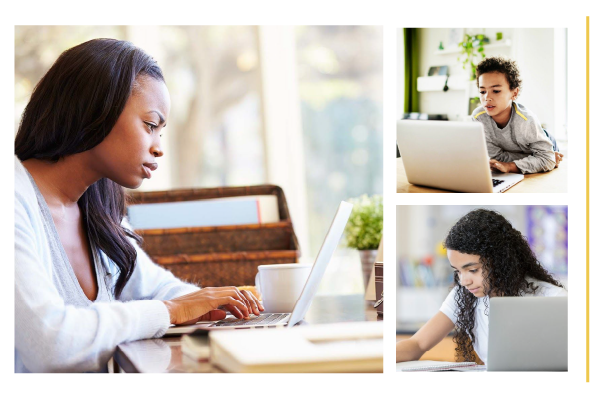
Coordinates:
53 337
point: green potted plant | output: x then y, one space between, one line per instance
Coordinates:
472 48
364 230
474 103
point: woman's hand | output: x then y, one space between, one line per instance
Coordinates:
503 167
203 304
558 158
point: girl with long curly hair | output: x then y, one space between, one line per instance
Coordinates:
490 258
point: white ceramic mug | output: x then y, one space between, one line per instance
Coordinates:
281 285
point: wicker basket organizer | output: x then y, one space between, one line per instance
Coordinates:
223 255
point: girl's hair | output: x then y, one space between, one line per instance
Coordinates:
71 110
506 261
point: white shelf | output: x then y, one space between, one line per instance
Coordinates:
494 45
436 83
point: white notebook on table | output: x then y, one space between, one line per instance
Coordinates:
437 366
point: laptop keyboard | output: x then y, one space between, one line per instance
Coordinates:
263 320
496 182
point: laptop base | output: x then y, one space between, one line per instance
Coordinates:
507 180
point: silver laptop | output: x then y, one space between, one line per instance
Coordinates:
449 155
274 320
528 334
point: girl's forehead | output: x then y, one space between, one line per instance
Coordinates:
461 258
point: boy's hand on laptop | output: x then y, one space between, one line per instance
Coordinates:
558 158
203 304
503 167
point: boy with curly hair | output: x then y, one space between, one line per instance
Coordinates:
515 140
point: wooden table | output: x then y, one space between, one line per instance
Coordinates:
165 354
550 182
443 351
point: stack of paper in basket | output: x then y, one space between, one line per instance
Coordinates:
215 236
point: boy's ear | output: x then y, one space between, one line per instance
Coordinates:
516 91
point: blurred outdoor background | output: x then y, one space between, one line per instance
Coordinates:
299 107
424 275
541 55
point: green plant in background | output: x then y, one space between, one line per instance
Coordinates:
474 103
364 228
472 47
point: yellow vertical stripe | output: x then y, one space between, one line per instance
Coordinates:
587 203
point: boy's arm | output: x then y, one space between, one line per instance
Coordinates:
541 160
497 153
543 156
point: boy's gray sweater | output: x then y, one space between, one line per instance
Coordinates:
522 140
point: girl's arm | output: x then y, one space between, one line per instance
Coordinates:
433 332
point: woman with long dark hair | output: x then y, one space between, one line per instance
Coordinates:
490 258
82 282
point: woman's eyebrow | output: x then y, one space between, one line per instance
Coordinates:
161 118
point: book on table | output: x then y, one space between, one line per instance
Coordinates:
337 347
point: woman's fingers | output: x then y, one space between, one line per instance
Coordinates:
236 294
244 299
257 302
247 302
256 306
235 311
227 295
201 305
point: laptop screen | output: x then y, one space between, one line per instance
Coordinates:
321 262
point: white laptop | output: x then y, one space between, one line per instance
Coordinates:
528 334
449 155
274 320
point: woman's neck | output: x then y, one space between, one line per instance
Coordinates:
64 182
